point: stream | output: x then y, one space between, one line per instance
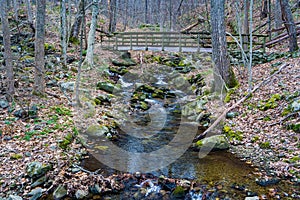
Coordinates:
219 175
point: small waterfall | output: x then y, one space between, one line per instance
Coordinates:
195 196
151 187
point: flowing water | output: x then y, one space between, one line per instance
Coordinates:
222 170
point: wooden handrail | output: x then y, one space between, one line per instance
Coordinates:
173 39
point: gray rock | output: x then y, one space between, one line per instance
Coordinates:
80 194
67 86
252 198
96 189
107 87
37 169
97 130
4 103
296 105
35 193
40 181
60 192
14 197
216 142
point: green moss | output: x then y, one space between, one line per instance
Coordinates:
255 138
265 145
199 143
294 159
101 148
294 127
232 135
97 101
16 156
232 82
144 105
178 192
68 139
269 104
61 110
74 40
267 118
229 93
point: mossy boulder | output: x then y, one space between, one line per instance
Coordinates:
216 142
178 193
107 87
97 130
37 169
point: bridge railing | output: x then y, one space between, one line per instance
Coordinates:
163 40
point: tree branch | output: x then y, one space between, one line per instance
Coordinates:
218 120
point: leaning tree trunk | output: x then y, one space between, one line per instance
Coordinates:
219 46
39 81
91 38
7 51
289 24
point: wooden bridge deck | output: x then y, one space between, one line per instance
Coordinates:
172 41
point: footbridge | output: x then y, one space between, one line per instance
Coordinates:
174 41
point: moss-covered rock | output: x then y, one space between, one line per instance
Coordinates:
97 130
178 193
216 142
107 87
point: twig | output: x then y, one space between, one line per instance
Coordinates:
285 118
89 172
218 120
51 94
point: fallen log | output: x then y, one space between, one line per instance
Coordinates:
280 38
218 120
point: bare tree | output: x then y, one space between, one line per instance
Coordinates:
7 50
91 38
39 81
63 30
77 23
112 7
246 24
289 24
29 12
219 46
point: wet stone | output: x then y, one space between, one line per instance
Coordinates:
80 194
14 197
35 193
4 104
60 192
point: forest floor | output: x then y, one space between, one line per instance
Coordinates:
38 131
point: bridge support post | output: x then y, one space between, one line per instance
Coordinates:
130 42
146 49
198 43
180 42
162 42
116 42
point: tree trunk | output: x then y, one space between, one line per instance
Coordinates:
219 46
112 15
16 10
63 30
39 82
77 23
7 51
29 12
289 24
264 11
246 24
146 12
91 39
277 15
